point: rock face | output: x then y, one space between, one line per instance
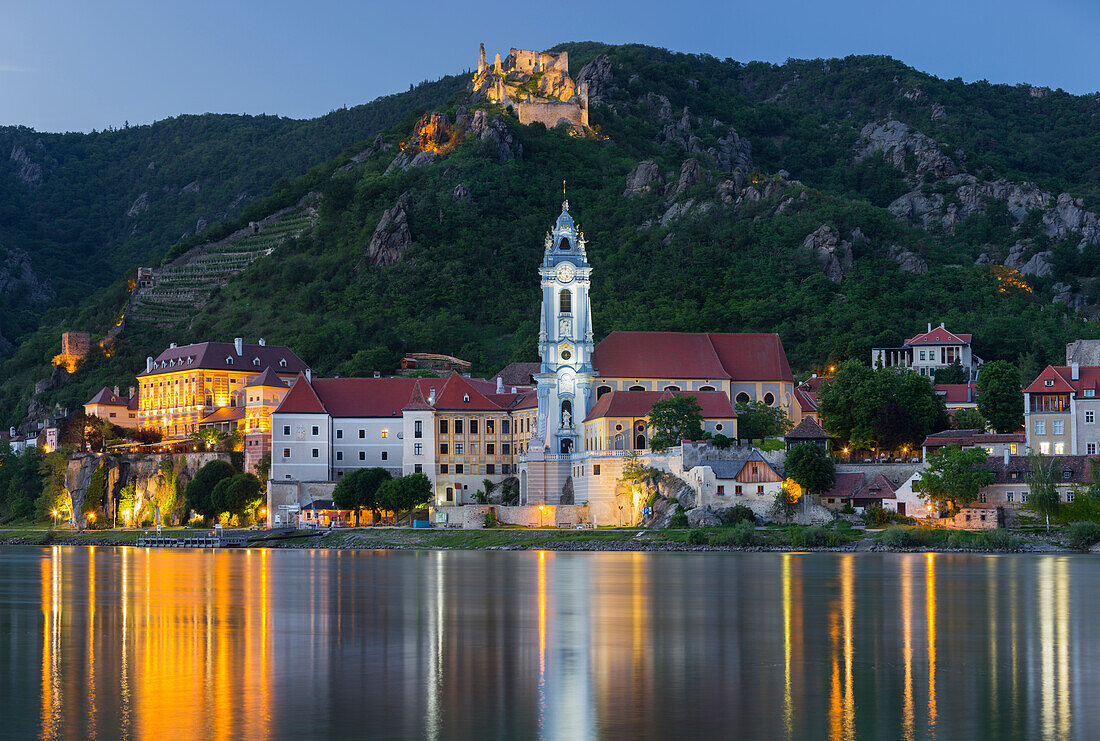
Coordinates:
642 179
30 172
17 276
703 516
678 133
908 261
192 187
834 255
462 193
897 142
597 74
734 152
391 237
432 137
139 206
494 134
690 174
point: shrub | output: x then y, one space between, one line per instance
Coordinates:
843 525
1082 534
721 442
737 514
697 537
1001 540
742 534
490 519
679 518
912 537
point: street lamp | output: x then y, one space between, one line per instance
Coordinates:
54 521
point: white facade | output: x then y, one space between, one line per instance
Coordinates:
300 447
418 453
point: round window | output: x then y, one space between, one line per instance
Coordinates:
641 426
565 355
769 399
742 398
718 427
618 428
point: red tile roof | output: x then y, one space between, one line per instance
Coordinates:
958 393
106 397
846 485
806 393
518 374
968 438
301 399
741 357
364 397
267 379
939 336
417 402
1088 376
808 429
213 355
714 404
878 487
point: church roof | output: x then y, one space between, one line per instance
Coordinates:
714 404
703 355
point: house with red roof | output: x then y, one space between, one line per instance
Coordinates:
806 396
1061 410
109 405
927 352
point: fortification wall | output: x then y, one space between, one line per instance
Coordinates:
549 114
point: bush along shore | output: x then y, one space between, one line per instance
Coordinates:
742 536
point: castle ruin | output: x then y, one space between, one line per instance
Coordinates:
536 85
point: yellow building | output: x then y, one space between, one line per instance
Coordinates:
117 410
620 419
263 395
191 386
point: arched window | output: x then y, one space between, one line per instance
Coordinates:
636 388
672 388
601 390
566 446
742 398
639 442
706 388
565 301
769 398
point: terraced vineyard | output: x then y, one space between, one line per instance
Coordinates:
186 283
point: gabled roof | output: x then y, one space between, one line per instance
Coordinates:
939 336
808 429
518 374
713 404
845 485
301 399
364 397
729 469
969 438
109 398
417 402
461 393
879 487
807 392
1088 376
709 356
267 379
1077 467
957 393
214 355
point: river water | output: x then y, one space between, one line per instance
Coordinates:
134 643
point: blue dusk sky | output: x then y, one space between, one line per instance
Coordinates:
74 65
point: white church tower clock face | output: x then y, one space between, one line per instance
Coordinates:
566 271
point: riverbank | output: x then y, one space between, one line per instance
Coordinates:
774 539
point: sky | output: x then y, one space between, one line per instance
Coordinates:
75 65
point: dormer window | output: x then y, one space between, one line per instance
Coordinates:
1049 382
256 362
466 398
1090 393
228 360
282 363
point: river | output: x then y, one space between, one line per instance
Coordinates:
162 644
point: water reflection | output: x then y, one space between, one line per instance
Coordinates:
131 643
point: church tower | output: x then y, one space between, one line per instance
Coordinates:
565 342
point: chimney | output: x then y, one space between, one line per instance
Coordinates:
431 396
238 345
813 375
1006 455
116 390
149 364
1075 372
515 390
11 431
172 346
309 376
929 326
263 342
131 392
942 326
500 385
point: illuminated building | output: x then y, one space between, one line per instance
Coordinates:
110 406
263 395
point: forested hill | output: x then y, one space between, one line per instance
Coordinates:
842 203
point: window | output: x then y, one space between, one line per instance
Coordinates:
418 429
1044 448
769 398
1069 496
458 426
1058 427
706 388
443 468
450 493
1012 449
737 489
1090 416
339 434
1040 427
385 455
981 497
760 489
1049 382
443 448
418 449
1090 393
473 426
1059 448
1008 497
718 427
672 388
490 449
505 449
565 301
636 388
458 468
286 430
315 431
1066 474
742 398
505 427
286 452
362 434
1015 475
1023 497
922 355
601 390
490 427
316 453
458 448
490 468
339 455
466 398
442 427
362 455
417 468
112 414
596 470
721 490
1090 448
505 468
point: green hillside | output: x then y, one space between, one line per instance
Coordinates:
799 231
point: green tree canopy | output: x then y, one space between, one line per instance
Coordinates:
198 494
784 505
954 475
756 421
673 420
236 494
811 466
953 373
1042 486
968 418
405 493
358 490
1000 399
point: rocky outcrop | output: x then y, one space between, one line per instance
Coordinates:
18 279
139 206
734 152
192 187
495 137
690 174
897 142
704 516
645 175
678 133
833 254
462 193
432 137
391 237
597 74
29 171
1040 264
908 261
357 159
1064 294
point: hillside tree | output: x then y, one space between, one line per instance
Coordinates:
1000 398
673 420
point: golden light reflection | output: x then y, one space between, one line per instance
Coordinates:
842 702
930 610
1053 606
788 709
907 720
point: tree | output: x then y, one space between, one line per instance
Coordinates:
54 497
404 493
811 467
784 505
1042 486
953 373
954 475
358 490
672 420
237 494
1000 399
263 467
756 421
969 419
198 494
